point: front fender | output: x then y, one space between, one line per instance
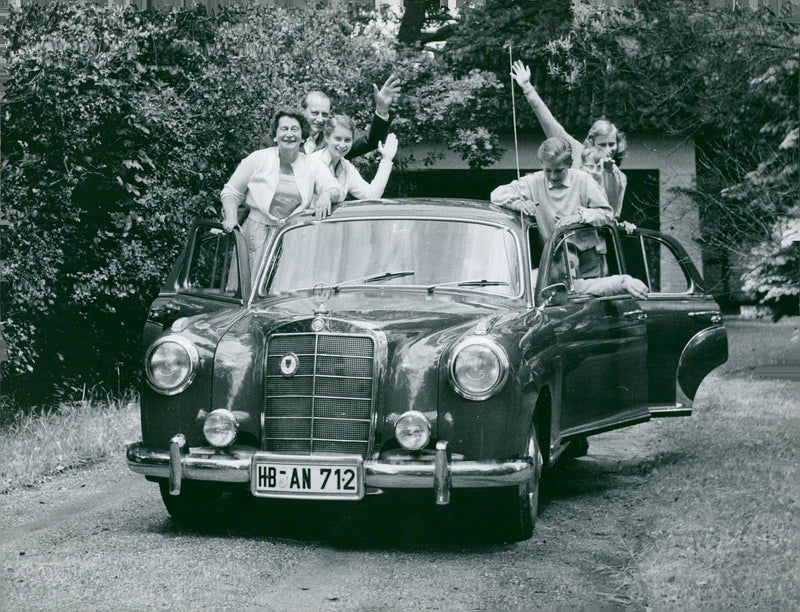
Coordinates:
497 427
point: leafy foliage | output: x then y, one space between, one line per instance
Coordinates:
93 199
773 265
119 129
773 273
726 79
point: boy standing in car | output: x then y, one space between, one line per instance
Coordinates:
559 195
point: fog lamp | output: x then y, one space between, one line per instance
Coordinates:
478 368
412 430
220 428
171 364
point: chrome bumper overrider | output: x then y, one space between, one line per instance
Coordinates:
442 474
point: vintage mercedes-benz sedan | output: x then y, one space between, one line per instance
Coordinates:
410 344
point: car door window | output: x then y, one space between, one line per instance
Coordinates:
584 257
536 250
654 262
213 267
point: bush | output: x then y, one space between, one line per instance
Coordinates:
773 274
120 129
93 205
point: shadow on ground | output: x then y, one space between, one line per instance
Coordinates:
410 519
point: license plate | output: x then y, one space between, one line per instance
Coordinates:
307 478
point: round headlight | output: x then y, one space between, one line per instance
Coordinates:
478 368
170 364
412 430
220 428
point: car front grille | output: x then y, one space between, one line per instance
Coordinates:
326 405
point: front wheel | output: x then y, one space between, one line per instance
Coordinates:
522 503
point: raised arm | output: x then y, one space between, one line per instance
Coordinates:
379 128
363 190
522 75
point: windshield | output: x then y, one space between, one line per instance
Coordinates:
407 252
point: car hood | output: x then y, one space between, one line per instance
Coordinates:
399 315
412 331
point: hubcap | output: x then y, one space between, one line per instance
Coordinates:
533 484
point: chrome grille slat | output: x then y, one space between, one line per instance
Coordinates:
319 397
327 406
317 418
325 375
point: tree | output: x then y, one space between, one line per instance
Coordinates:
91 121
419 13
769 195
119 129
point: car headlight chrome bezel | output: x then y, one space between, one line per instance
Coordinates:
489 350
191 359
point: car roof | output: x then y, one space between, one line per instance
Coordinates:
456 208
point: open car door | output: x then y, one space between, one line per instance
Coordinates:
211 273
685 336
601 341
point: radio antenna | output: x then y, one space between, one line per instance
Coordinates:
513 107
514 119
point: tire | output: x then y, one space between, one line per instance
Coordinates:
198 505
579 447
522 503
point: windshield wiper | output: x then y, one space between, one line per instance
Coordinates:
373 278
468 283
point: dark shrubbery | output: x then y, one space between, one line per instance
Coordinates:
119 128
95 186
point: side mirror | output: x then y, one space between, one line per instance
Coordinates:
554 295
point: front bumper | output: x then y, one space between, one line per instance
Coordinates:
441 474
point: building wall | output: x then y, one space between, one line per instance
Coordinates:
672 159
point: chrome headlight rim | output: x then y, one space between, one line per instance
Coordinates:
502 359
416 414
194 360
226 415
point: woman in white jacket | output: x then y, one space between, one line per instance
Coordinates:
276 183
338 133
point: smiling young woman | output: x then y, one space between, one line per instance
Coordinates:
339 132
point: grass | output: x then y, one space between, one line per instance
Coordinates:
725 534
726 530
38 444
